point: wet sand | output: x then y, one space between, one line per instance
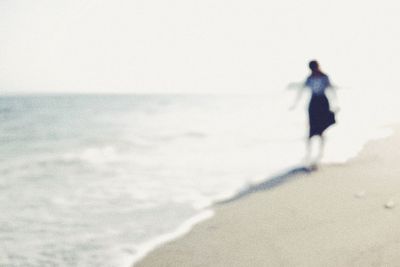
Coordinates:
339 215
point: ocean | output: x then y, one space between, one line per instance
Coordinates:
100 180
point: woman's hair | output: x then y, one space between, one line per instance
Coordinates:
314 67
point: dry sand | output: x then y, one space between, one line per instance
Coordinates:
335 216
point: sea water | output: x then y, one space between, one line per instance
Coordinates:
99 180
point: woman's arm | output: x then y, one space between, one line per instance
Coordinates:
333 99
300 90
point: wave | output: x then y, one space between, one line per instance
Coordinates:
94 155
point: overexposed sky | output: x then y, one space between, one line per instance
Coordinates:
221 46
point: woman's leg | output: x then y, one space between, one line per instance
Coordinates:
308 150
321 148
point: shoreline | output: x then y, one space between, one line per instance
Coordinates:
213 242
148 247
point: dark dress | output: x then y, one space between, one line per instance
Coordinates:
319 113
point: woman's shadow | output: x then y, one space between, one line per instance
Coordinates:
270 183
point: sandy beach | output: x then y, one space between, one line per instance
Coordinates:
339 215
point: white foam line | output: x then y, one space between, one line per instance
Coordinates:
147 247
380 133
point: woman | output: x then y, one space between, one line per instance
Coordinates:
319 113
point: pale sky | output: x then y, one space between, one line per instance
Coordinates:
220 46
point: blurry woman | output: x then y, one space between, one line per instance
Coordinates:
320 116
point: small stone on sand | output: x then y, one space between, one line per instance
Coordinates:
390 204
